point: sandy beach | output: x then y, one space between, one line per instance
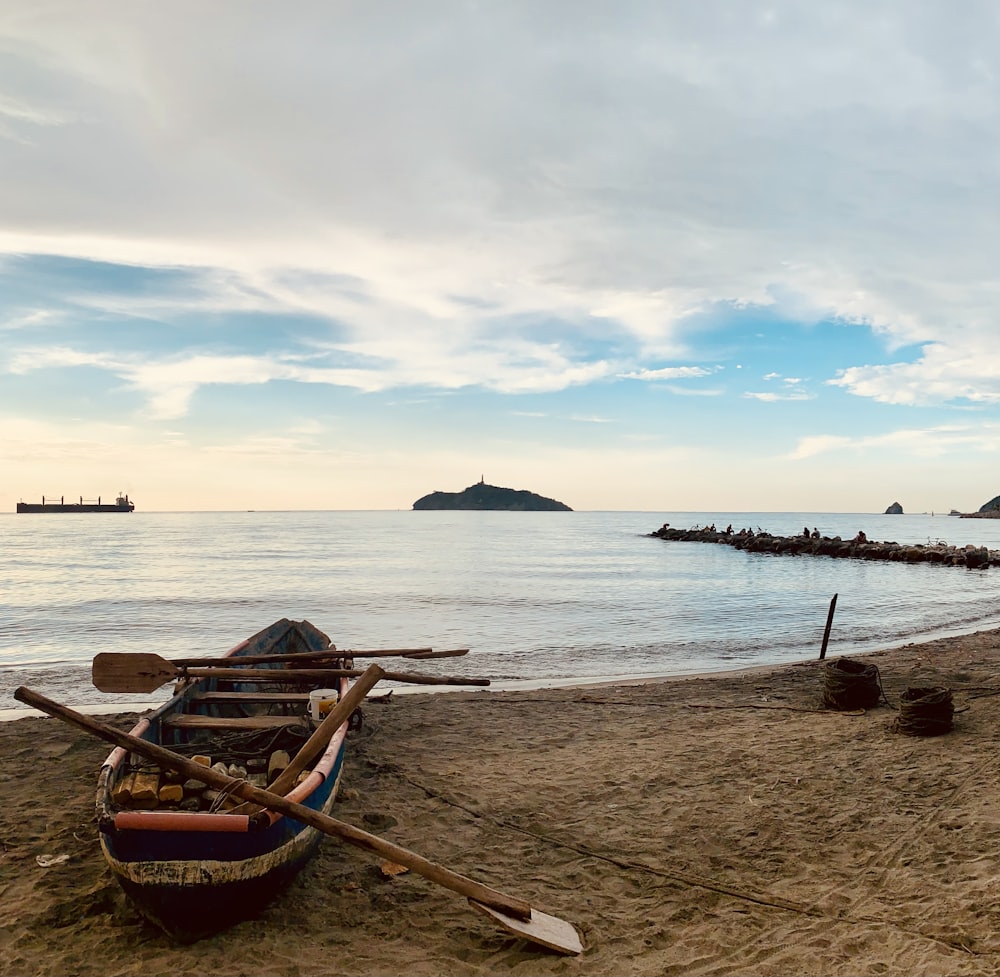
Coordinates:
713 825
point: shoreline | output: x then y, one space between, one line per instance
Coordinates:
14 713
719 822
515 686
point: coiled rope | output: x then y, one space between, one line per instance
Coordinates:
849 684
925 712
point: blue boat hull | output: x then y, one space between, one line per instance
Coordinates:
194 874
193 884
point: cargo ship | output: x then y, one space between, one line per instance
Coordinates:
121 504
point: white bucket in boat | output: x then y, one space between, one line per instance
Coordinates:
321 701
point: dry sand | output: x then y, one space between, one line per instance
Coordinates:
719 825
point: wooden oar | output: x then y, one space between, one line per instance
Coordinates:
327 654
146 672
324 654
514 913
417 654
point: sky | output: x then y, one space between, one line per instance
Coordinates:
640 256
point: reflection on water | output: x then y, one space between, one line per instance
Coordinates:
536 596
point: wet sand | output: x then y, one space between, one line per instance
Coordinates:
725 824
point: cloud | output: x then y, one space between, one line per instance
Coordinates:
40 358
639 170
818 444
170 383
922 442
793 391
669 373
769 397
520 198
695 391
26 320
17 111
944 373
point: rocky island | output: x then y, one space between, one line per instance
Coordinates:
490 497
989 510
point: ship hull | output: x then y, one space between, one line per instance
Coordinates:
73 507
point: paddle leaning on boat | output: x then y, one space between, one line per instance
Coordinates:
213 802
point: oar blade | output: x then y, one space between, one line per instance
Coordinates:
545 930
137 672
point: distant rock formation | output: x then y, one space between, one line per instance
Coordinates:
972 557
490 497
992 506
894 510
989 511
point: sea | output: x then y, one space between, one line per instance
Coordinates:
539 598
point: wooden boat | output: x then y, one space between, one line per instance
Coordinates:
195 871
191 859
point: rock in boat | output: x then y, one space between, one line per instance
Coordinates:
187 868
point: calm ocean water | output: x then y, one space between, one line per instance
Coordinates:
538 597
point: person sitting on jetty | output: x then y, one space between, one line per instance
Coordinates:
805 532
861 537
815 533
729 530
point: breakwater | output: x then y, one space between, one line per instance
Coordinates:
971 557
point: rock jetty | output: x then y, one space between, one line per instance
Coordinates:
972 557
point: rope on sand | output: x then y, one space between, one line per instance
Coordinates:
925 712
755 705
849 684
814 910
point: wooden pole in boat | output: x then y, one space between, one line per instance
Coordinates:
515 914
829 624
316 743
415 654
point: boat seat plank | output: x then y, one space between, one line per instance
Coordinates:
293 698
186 721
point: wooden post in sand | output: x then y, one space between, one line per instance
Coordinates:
829 624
